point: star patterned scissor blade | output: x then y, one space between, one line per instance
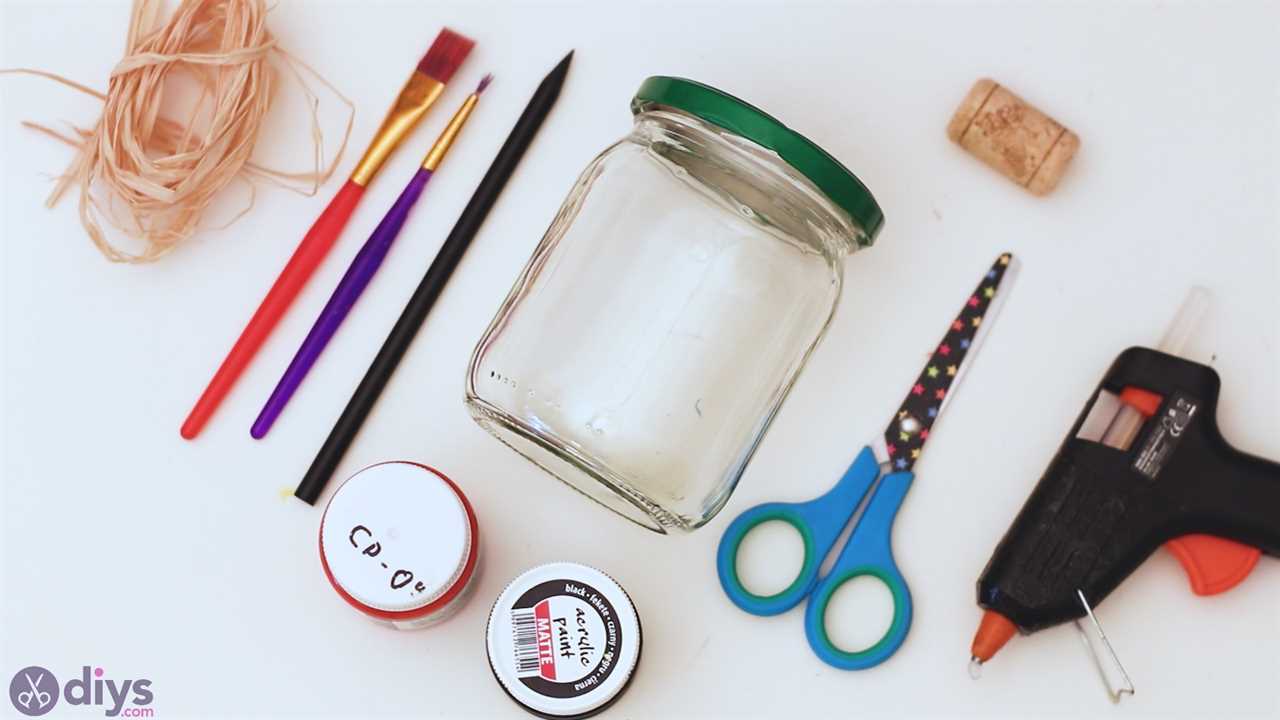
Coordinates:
909 429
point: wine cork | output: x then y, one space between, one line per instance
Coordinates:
1003 131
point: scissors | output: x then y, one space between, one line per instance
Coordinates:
41 697
889 459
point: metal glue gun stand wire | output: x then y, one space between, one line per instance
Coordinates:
888 459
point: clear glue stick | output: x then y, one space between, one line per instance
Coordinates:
1128 421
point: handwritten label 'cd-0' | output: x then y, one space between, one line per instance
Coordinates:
563 640
399 543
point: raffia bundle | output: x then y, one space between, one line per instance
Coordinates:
153 177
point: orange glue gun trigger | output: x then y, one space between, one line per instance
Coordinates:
1214 565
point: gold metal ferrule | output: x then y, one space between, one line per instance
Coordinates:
450 133
419 93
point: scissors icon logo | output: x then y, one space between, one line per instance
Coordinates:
34 691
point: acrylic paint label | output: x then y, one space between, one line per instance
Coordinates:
565 638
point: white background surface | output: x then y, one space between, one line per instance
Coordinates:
188 563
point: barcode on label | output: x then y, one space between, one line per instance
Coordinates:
524 637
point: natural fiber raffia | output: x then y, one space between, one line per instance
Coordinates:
162 172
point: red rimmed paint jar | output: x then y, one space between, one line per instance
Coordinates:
400 543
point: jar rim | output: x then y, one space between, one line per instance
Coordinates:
746 120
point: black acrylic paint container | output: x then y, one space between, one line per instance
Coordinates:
563 640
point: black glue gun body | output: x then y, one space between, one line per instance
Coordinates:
1100 511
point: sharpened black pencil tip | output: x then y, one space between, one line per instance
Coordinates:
563 66
552 83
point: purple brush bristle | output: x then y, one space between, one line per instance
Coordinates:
484 83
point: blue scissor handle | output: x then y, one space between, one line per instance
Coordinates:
819 522
868 552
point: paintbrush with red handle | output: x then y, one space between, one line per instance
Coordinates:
419 94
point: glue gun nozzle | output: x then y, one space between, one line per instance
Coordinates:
993 632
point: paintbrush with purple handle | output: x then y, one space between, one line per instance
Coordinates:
362 270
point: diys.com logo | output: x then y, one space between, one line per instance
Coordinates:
35 691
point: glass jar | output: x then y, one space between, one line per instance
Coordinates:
660 323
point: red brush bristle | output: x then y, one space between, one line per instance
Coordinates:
484 83
445 55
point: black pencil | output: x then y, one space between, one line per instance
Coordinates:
415 313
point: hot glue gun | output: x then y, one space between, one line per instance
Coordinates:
1144 465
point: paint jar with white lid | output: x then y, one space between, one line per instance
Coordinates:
671 305
400 543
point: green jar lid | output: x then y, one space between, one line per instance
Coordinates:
741 118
